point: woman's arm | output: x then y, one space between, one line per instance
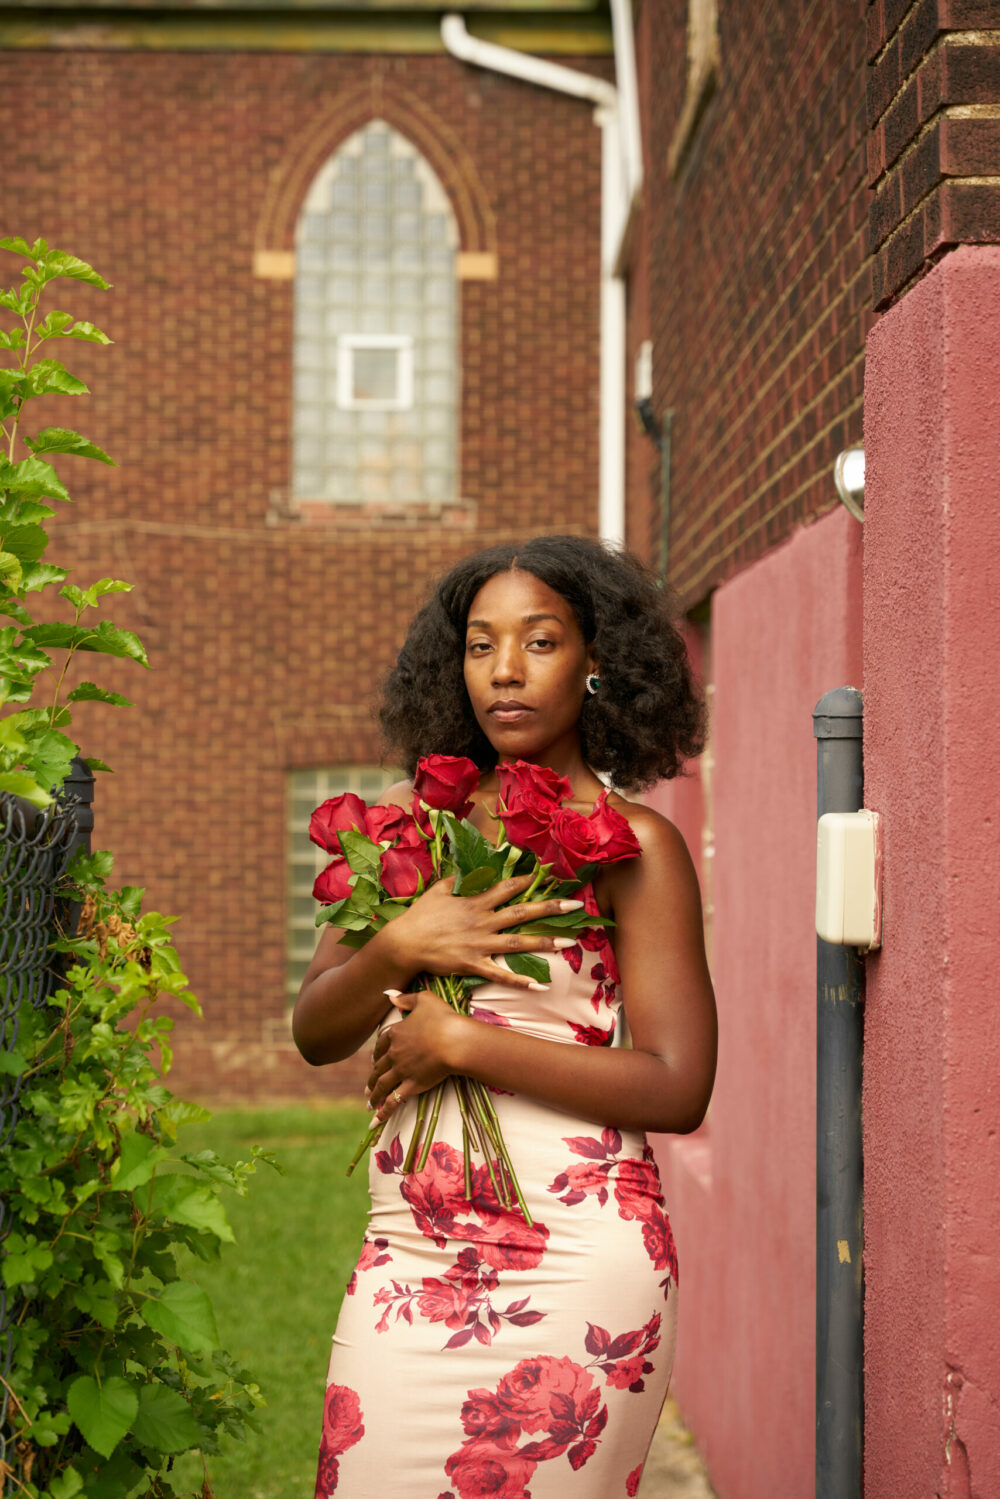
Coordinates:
663 1083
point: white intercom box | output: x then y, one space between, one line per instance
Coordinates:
849 879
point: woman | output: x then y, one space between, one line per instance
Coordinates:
474 1354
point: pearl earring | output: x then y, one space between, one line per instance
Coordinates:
592 683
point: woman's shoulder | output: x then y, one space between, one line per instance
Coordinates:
656 834
399 794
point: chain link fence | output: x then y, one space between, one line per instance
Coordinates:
35 849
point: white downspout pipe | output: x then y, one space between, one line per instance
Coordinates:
616 203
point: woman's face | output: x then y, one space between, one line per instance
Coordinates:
526 664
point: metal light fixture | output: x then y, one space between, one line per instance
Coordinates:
849 477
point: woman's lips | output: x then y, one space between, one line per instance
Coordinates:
509 712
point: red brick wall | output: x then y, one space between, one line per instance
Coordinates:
267 634
760 291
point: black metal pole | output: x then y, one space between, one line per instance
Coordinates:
837 726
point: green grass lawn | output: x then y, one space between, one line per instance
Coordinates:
277 1291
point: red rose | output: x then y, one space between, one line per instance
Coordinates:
337 815
659 1242
528 824
528 1391
637 1188
576 835
326 1475
632 1482
615 835
518 776
333 884
620 1376
401 866
484 1468
386 823
444 1301
482 1416
446 782
342 1419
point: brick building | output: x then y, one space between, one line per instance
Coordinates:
281 207
811 263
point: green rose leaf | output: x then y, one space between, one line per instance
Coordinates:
361 853
183 1314
165 1421
483 878
63 440
529 965
102 1412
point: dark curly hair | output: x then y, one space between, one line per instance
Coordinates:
646 718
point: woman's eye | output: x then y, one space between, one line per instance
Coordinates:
542 641
477 647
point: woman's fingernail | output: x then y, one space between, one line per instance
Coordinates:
368 1092
560 942
392 993
571 905
539 988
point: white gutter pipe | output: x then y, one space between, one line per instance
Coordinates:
621 181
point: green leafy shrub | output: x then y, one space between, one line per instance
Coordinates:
116 1363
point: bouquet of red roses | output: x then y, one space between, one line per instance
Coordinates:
384 857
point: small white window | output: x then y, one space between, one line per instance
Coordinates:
374 372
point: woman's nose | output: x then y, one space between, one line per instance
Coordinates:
507 666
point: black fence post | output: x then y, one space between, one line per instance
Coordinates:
837 726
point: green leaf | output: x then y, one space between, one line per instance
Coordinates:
89 692
50 755
66 1485
12 340
16 611
104 637
19 783
165 1421
87 331
183 1314
470 848
63 440
28 543
40 575
15 512
49 376
56 263
361 853
483 878
53 323
32 477
102 1412
529 965
10 569
18 246
92 763
139 1158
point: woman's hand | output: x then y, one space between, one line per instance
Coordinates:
411 1055
444 934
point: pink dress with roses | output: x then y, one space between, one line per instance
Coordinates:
475 1356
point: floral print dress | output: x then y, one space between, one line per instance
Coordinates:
475 1356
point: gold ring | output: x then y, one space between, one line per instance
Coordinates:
397 1095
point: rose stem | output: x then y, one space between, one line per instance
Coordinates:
491 1114
415 1138
371 1138
432 1126
485 1141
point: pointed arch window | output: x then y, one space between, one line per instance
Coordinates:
375 403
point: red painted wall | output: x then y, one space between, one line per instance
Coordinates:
742 1192
932 1049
